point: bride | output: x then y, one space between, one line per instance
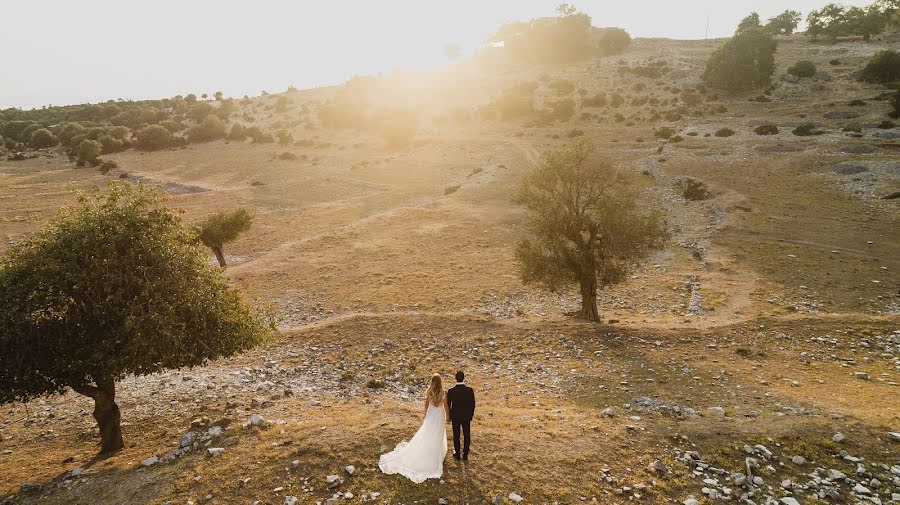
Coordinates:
423 456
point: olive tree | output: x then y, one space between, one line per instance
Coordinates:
584 224
784 23
117 285
223 227
745 61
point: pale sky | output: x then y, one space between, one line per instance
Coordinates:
64 51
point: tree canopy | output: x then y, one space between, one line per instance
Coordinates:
745 61
116 285
584 224
223 227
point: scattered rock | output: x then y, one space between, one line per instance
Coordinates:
514 497
215 451
152 460
838 437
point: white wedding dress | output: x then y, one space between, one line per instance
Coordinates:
422 457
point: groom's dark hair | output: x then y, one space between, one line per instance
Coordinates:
460 376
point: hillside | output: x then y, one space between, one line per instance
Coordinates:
766 327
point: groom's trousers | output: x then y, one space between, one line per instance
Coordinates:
465 426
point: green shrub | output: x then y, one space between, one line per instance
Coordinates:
211 128
766 129
110 144
66 131
802 69
88 151
42 138
883 67
664 132
611 41
153 137
805 130
724 132
745 61
563 110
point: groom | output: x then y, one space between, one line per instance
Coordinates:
461 402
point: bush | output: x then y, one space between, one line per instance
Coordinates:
805 130
173 126
886 125
563 110
66 131
153 138
258 136
766 129
88 151
664 132
106 166
746 61
598 100
562 86
285 137
802 69
238 132
692 189
516 101
42 138
211 128
110 144
612 41
724 132
883 67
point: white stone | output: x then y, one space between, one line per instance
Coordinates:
290 500
152 460
691 501
350 469
215 431
515 497
787 500
215 451
838 437
798 460
860 489
716 411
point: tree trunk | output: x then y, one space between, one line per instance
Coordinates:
219 256
589 299
106 413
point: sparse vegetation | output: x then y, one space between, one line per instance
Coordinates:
766 129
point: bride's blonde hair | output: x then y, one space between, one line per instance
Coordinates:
435 390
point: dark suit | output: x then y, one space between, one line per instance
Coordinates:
461 402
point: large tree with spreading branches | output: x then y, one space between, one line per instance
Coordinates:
116 285
584 222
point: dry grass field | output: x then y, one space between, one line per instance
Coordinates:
771 319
